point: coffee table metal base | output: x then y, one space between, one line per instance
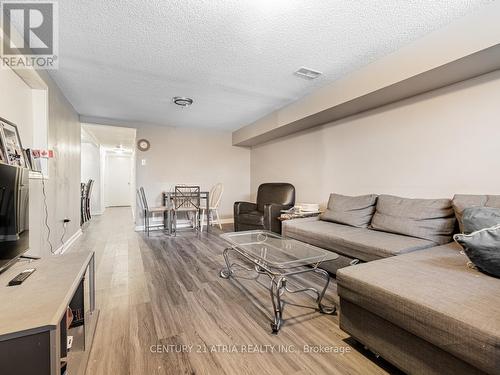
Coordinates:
278 285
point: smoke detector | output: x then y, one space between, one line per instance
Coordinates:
307 73
182 101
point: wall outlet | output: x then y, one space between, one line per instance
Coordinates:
143 162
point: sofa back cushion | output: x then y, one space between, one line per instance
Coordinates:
477 218
463 201
429 219
353 211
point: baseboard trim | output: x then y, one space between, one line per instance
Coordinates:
140 228
61 250
180 224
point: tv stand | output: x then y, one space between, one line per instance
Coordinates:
34 323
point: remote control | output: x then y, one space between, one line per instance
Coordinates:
21 277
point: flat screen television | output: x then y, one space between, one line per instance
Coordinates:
14 214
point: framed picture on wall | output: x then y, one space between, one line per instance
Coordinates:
13 148
3 157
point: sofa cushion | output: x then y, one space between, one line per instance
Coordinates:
359 243
429 219
477 218
354 211
463 201
432 294
483 249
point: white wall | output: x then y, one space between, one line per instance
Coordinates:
16 104
190 156
102 177
433 145
22 104
91 169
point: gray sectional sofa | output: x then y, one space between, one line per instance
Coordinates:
371 227
413 299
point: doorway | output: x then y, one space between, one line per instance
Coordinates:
108 158
118 180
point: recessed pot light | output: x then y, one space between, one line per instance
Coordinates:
182 101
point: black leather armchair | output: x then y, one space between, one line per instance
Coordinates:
271 199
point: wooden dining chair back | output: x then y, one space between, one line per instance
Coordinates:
216 195
187 198
149 211
215 199
88 197
142 196
145 207
83 216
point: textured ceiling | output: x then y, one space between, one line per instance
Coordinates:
125 60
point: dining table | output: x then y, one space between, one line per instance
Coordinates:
168 197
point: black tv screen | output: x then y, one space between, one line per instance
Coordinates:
14 214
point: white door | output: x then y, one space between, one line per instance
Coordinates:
118 170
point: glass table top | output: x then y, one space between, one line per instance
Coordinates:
277 251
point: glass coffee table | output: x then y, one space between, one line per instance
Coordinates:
279 258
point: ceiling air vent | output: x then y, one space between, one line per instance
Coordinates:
308 73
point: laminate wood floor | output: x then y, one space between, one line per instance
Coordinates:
165 310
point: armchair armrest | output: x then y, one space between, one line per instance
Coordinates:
271 213
242 207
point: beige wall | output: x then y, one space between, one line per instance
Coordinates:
16 104
62 187
432 145
64 183
190 156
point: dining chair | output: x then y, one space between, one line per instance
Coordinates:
88 196
215 197
187 198
150 211
83 217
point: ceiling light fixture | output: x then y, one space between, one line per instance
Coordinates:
307 73
119 149
182 101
